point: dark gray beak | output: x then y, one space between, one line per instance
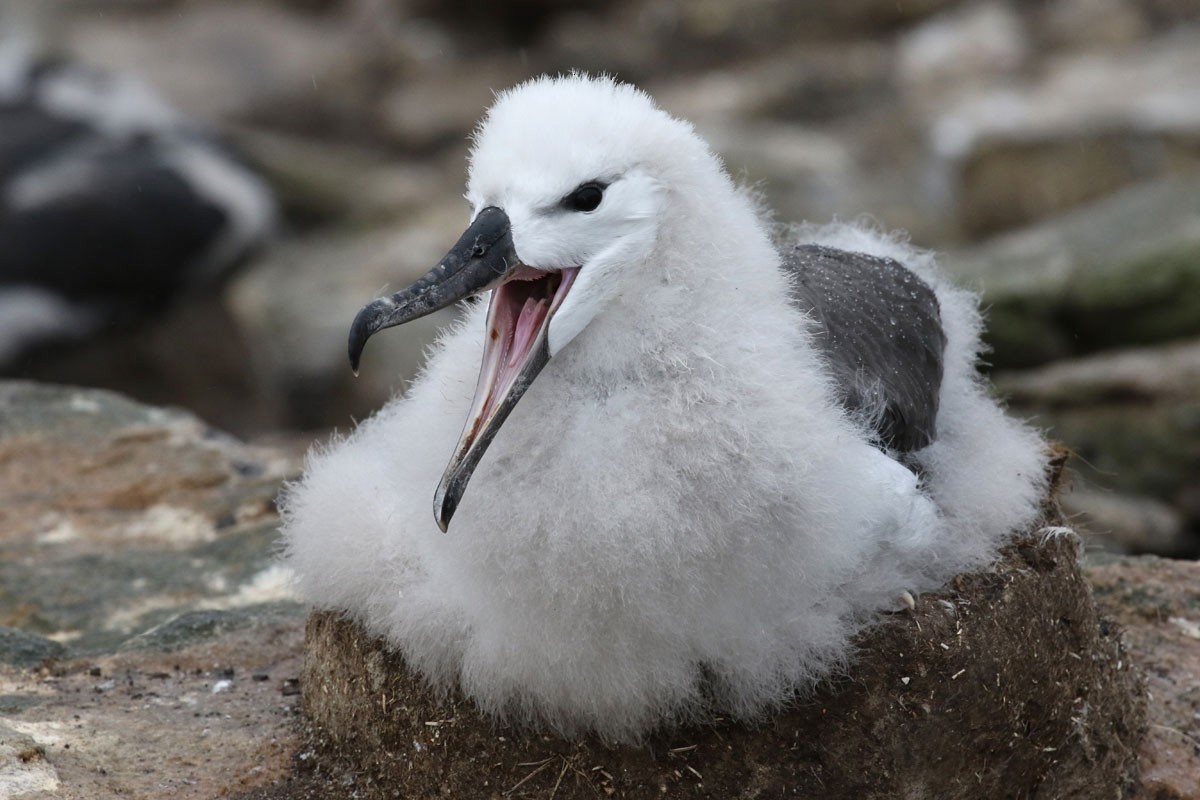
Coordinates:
523 299
482 257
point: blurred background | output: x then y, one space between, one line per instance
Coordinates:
196 196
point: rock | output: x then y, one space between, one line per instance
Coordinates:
328 183
963 44
1093 124
118 517
1132 417
1121 272
1123 523
297 305
517 23
1090 23
24 772
1169 373
140 598
642 41
192 724
226 61
23 649
764 22
1157 602
189 628
441 107
172 359
622 41
1135 450
1002 684
817 83
1171 13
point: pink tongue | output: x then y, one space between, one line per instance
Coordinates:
512 334
528 323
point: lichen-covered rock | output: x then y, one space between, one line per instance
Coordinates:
1005 684
1122 272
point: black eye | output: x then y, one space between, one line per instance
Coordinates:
586 198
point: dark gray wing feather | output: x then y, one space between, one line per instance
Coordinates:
880 328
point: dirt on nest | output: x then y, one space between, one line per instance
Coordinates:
1005 685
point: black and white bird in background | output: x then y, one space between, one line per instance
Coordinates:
112 203
694 461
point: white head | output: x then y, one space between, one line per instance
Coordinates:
575 183
552 147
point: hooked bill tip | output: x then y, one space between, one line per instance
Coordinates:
443 512
365 324
445 501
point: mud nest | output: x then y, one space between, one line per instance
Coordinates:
1006 684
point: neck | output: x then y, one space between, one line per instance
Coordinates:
712 276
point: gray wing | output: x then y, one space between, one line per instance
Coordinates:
880 327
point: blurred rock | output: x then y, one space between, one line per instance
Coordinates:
1090 23
814 83
517 23
749 26
24 772
1171 13
648 39
192 356
23 649
620 42
1140 450
1170 373
1123 271
140 603
1122 523
441 107
118 517
191 628
962 45
227 61
297 305
1091 124
324 183
1132 418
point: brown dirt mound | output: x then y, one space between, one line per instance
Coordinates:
1004 685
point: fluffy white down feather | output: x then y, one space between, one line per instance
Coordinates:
678 518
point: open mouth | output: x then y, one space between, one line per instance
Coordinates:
516 346
518 318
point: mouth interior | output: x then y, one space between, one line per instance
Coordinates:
518 318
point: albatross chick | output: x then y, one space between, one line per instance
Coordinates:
686 464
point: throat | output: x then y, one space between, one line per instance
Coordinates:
521 309
517 323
